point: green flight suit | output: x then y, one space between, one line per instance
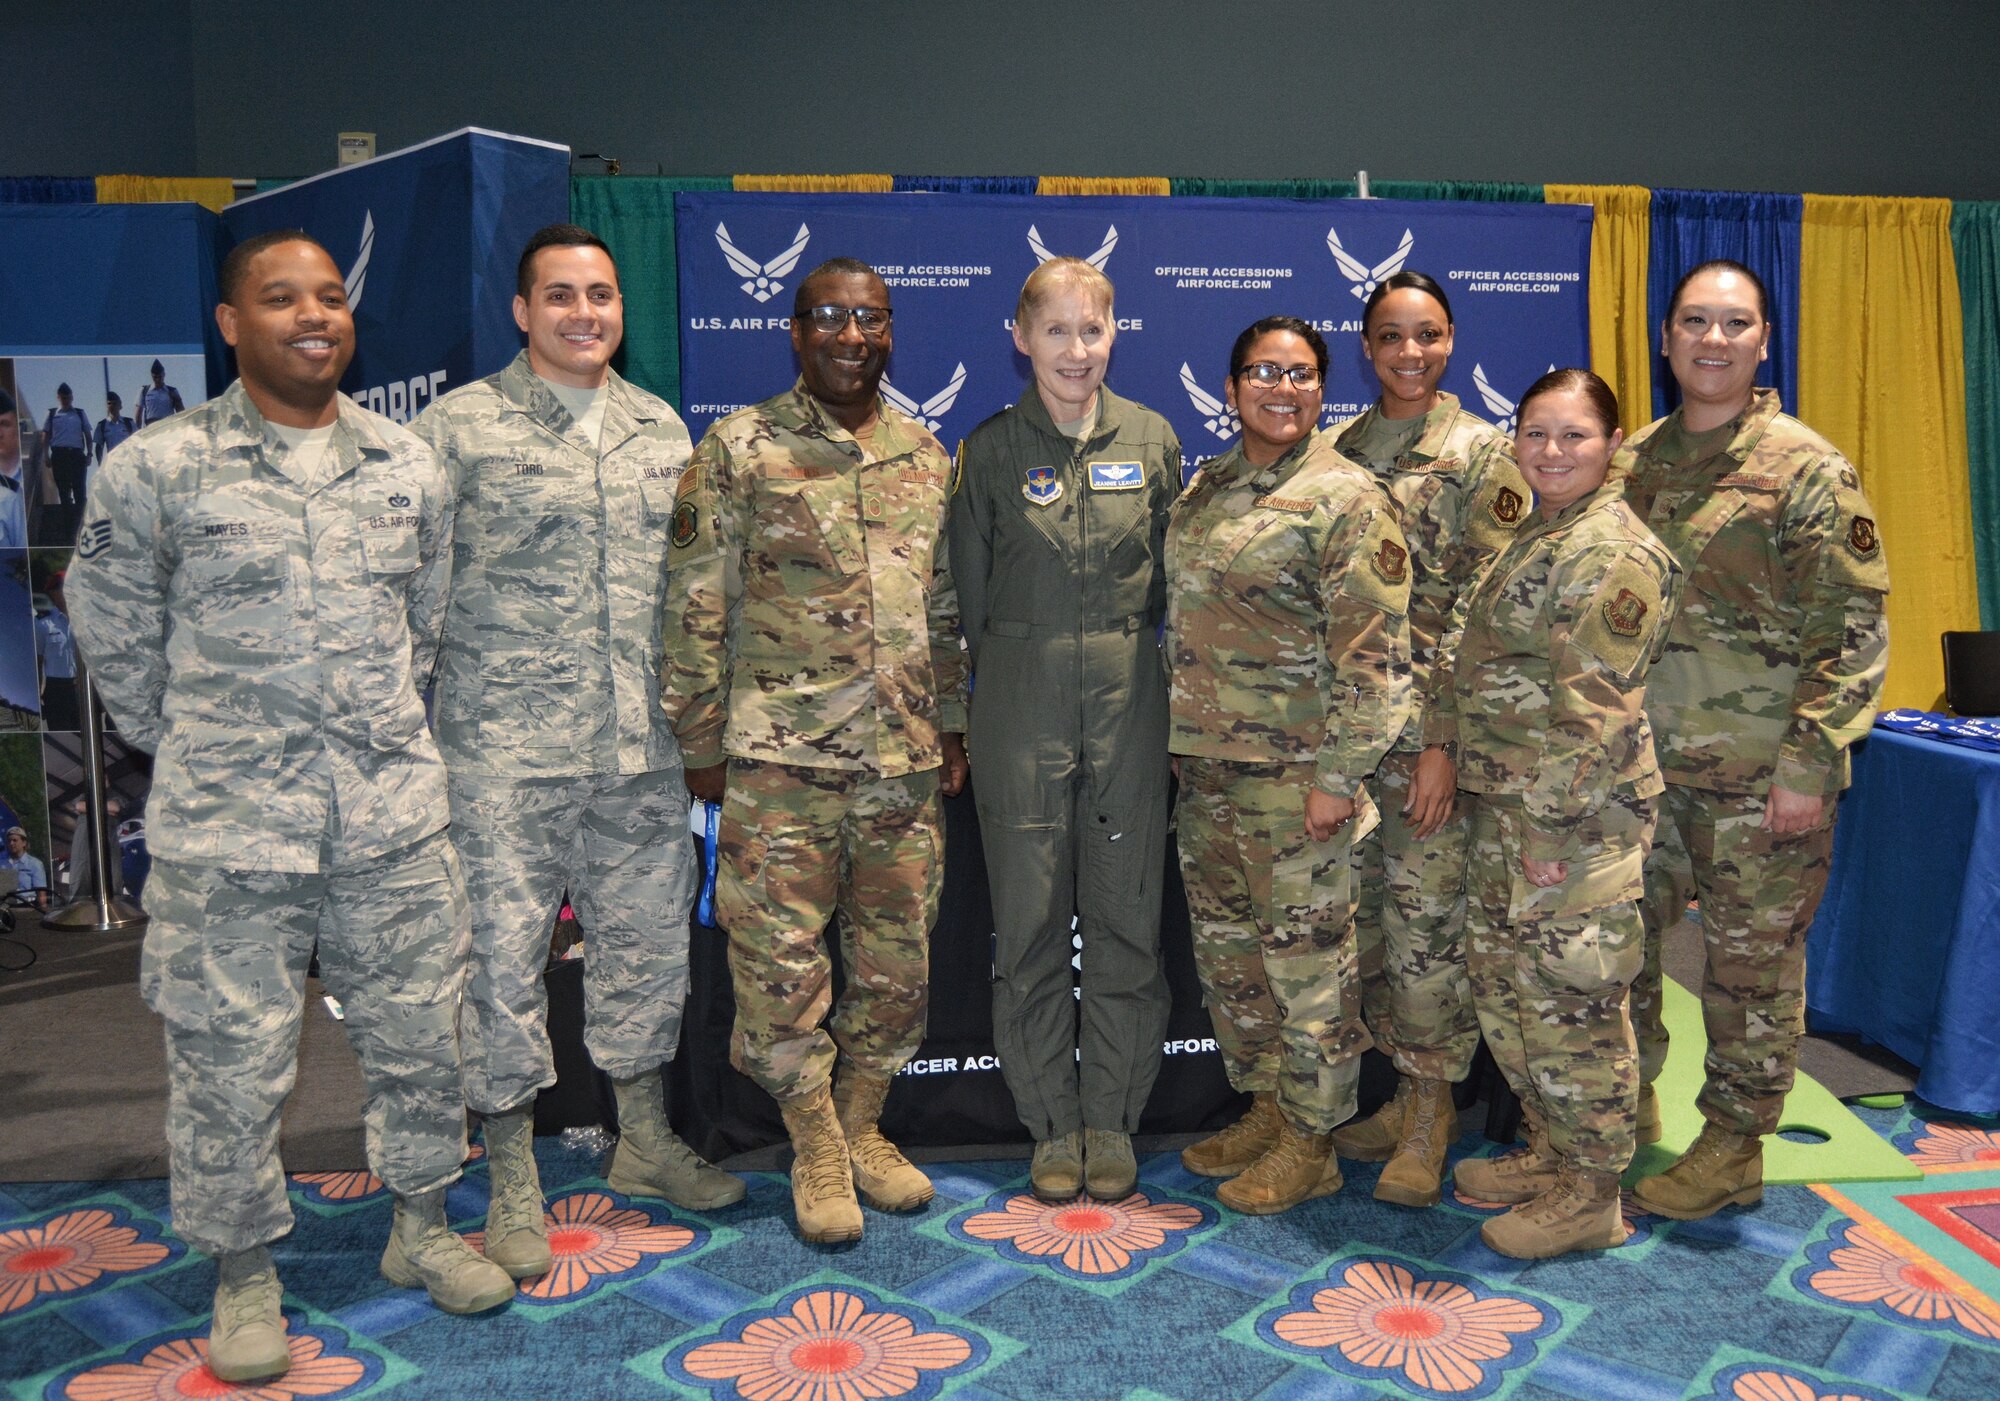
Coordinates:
1057 547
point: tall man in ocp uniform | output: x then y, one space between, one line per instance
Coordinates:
256 586
817 687
564 773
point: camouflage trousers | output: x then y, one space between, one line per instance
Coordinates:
1273 918
1410 935
798 845
1758 894
619 844
1550 969
225 963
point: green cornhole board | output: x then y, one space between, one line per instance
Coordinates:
1852 1152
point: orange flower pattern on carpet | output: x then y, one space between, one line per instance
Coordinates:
70 1252
830 1346
338 1186
1856 1268
1091 1239
1435 1333
591 1237
1955 1146
177 1370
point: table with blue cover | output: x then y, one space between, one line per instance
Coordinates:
1906 948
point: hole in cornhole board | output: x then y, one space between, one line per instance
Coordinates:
1804 1134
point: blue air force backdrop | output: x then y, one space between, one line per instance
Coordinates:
1190 274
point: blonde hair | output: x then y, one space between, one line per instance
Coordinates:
1054 275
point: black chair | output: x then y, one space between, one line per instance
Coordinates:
1972 673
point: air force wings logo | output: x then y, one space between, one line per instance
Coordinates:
761 279
1096 260
1359 273
1217 416
1497 404
932 409
357 276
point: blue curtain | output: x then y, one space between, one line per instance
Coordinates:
965 184
46 189
1759 231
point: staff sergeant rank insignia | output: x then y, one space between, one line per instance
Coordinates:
1391 561
1625 613
1042 487
1861 537
1507 505
95 540
684 525
1117 476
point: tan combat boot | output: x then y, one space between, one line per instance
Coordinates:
887 1180
1056 1174
1579 1213
1234 1149
1374 1139
1302 1166
822 1174
517 1233
651 1161
1512 1177
1646 1129
1414 1175
1110 1172
1720 1169
246 1342
424 1252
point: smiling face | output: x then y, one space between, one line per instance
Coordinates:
1275 417
292 332
574 316
1067 340
1563 447
843 369
1714 339
1408 342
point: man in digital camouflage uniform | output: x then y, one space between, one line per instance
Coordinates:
257 585
812 648
564 772
1771 672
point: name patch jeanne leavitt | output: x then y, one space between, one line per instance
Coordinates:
1117 476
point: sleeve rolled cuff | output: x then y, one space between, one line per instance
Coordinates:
1336 785
1539 844
1813 776
951 717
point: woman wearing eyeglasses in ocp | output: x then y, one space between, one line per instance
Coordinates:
1288 590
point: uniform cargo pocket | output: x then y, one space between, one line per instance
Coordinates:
528 695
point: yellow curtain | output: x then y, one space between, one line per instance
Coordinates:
1882 373
150 189
1103 185
817 184
1621 337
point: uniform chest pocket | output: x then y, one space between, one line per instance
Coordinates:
789 547
229 563
1726 543
656 495
1257 550
527 503
907 499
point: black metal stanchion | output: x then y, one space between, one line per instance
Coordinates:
97 908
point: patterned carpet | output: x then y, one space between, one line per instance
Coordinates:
1820 1293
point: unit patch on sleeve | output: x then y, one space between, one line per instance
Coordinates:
1861 537
1391 561
1625 613
1507 504
685 520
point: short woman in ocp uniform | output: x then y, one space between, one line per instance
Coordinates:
1556 762
1288 640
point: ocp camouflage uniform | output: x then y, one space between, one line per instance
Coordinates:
1557 755
1062 592
812 637
1288 590
564 770
1460 498
1771 672
261 629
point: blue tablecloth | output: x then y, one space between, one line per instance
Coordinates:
1906 948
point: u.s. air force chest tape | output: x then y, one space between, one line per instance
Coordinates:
1622 618
1379 573
1117 476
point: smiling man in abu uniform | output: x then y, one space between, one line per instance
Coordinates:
564 771
256 587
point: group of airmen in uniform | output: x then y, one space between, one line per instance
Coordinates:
1458 726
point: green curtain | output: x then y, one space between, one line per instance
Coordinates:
634 214
1264 189
1975 246
1492 191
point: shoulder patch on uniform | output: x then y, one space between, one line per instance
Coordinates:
686 520
95 539
1507 507
1861 537
1042 486
1618 625
689 480
1391 561
1625 613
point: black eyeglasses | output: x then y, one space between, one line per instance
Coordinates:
1267 374
831 320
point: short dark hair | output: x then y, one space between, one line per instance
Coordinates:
7 404
1595 392
554 236
1721 265
1304 329
832 267
1396 282
236 266
113 400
